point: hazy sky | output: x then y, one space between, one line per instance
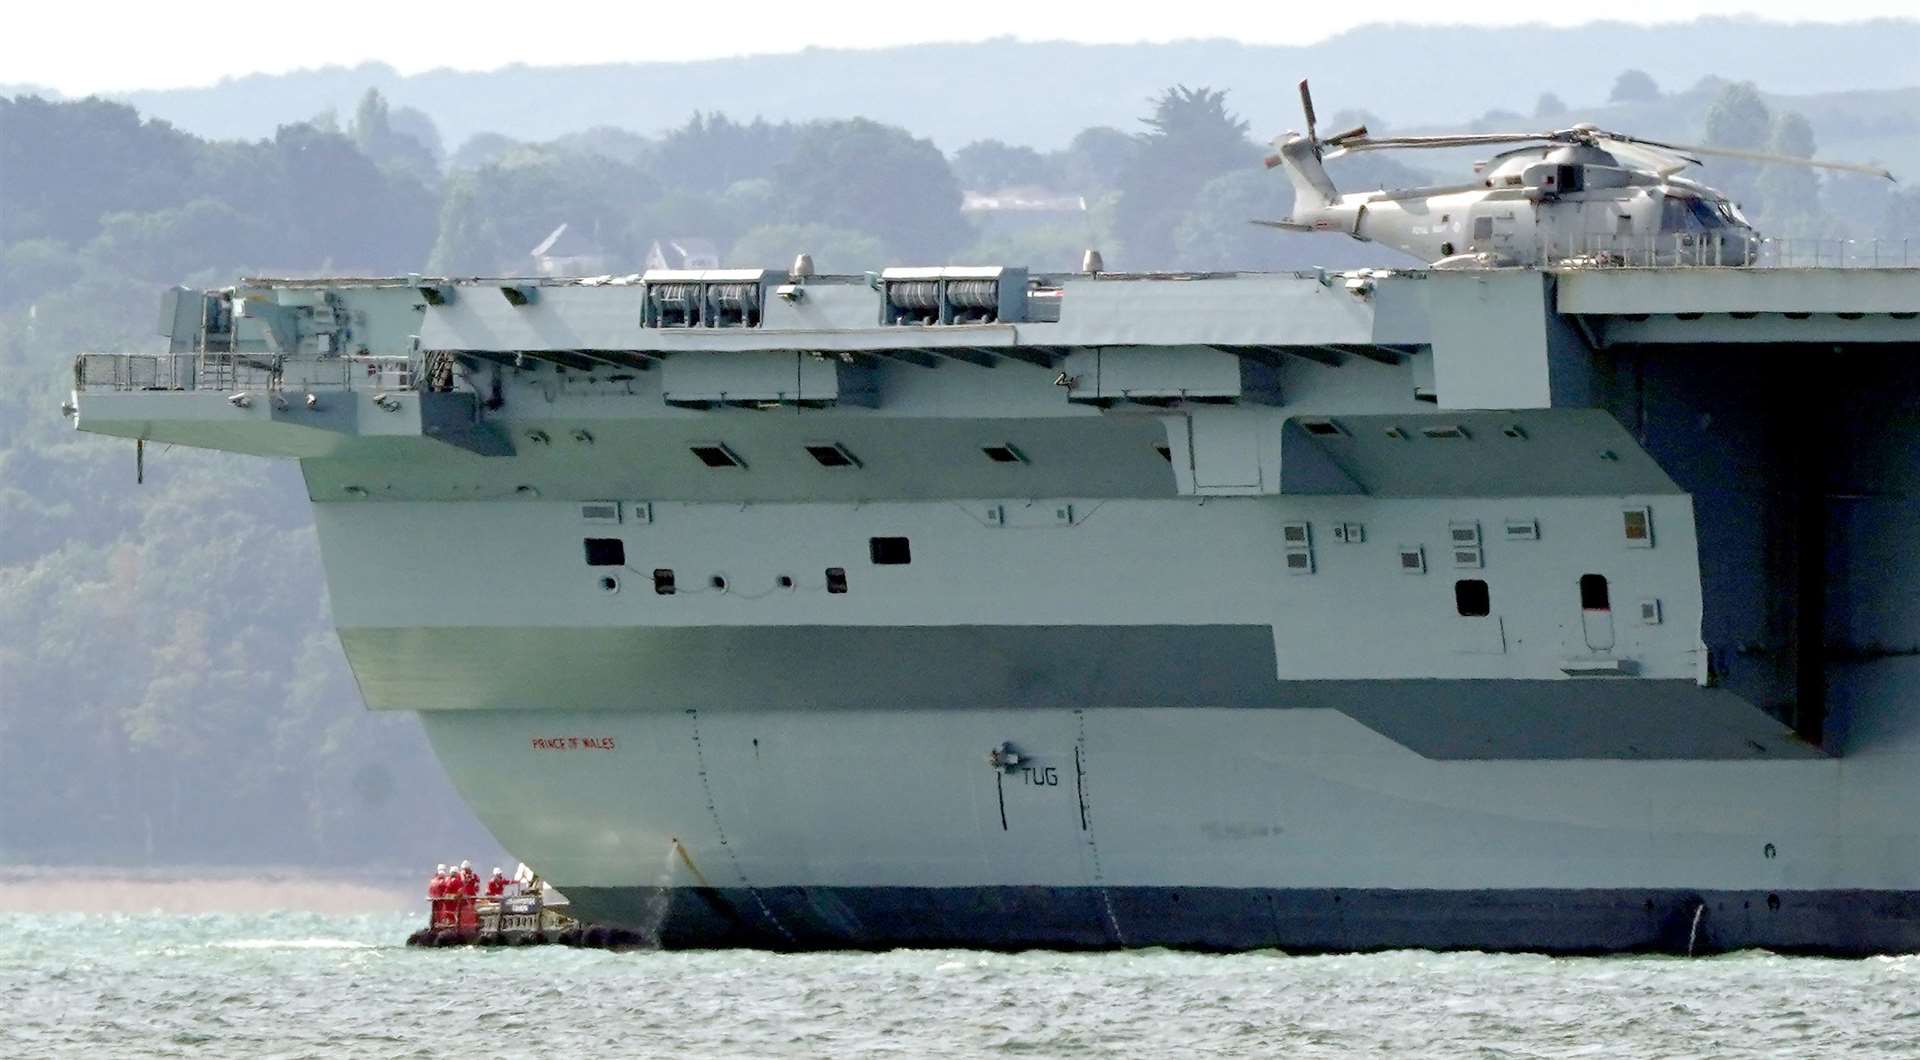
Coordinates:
85 46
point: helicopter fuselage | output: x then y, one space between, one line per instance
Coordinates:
1520 227
1533 207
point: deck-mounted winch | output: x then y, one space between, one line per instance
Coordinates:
710 298
953 295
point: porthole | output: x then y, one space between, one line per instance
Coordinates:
716 455
785 581
718 583
1471 598
831 454
605 552
889 551
609 584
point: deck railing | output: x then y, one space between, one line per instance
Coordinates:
243 371
1598 250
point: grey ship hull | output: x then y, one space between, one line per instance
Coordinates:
1191 827
1221 608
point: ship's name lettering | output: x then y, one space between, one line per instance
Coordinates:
1041 776
573 743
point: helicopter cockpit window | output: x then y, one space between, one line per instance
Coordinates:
1706 214
1674 213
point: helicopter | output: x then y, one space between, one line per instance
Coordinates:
1579 195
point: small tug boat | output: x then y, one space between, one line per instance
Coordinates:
537 916
516 920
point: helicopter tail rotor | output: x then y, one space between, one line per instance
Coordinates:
1306 105
1337 141
1300 156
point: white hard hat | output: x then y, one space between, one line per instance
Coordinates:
496 870
439 870
466 864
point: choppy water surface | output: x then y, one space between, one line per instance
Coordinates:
295 984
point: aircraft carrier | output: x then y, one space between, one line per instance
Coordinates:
1566 610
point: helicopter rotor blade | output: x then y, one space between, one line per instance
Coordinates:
1749 156
1660 161
1415 143
1358 132
1306 104
1285 226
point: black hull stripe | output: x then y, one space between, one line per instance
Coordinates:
669 669
1845 923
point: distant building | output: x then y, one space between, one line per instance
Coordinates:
1023 199
1022 207
683 252
567 252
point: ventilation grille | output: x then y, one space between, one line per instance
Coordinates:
600 511
1464 539
1298 539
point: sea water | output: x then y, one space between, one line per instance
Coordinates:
294 984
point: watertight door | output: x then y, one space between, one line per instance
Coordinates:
1596 613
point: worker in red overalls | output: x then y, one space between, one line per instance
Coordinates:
436 898
497 884
468 888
